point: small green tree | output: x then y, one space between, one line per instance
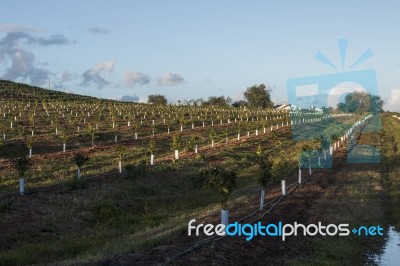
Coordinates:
175 144
220 178
80 159
152 146
135 127
264 176
91 131
22 164
212 135
64 138
121 151
30 141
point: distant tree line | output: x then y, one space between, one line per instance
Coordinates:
256 96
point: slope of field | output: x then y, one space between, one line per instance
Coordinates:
143 211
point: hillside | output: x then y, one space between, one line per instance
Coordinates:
16 91
89 181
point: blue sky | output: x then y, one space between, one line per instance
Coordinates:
192 49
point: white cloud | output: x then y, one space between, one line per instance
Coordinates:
393 103
67 76
23 63
170 79
136 78
106 67
93 75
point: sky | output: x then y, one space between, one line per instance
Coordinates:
194 49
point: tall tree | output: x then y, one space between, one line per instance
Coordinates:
258 96
157 99
361 102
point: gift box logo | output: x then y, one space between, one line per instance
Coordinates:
315 92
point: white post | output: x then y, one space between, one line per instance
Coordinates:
283 187
176 154
115 138
195 149
192 126
120 167
30 152
181 128
152 159
299 176
330 151
64 147
256 132
324 155
135 135
212 143
225 217
262 199
129 123
21 186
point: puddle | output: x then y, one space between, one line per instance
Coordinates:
391 251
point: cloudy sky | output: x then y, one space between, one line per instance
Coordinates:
192 49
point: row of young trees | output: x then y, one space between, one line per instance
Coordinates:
64 131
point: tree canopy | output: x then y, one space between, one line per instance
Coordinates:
157 99
218 101
361 102
258 96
